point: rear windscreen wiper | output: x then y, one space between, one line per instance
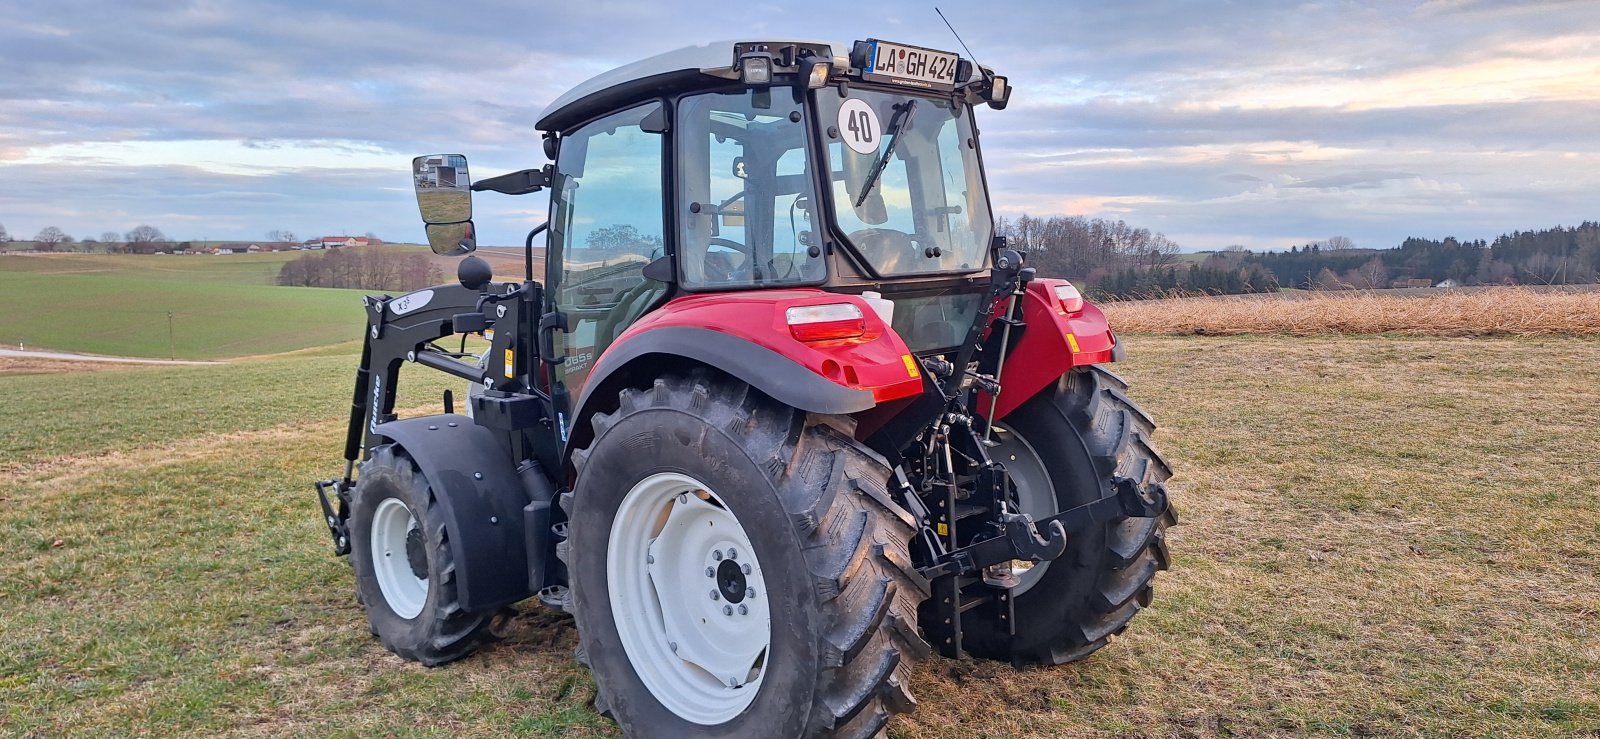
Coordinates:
899 119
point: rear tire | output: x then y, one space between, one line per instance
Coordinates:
405 573
1082 433
834 619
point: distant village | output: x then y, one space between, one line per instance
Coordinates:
240 247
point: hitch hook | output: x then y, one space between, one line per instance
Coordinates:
1027 542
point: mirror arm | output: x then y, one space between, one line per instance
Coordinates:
516 183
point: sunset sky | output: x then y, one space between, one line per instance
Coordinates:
1264 124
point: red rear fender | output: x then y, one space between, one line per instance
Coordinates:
1054 342
877 361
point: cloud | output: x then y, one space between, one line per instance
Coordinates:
1263 124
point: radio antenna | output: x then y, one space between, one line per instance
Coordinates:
971 55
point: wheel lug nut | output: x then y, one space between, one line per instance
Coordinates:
716 595
711 572
716 554
749 592
747 569
727 610
743 610
733 553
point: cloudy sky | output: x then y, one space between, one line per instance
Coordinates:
1258 123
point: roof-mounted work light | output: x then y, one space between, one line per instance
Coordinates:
755 68
819 69
999 92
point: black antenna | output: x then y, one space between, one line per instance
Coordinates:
973 56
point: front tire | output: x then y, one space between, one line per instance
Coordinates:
405 574
1064 447
693 475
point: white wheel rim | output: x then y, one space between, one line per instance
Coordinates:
402 589
1036 494
700 652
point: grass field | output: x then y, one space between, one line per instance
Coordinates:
221 306
1380 537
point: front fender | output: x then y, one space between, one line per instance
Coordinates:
1053 343
746 335
481 498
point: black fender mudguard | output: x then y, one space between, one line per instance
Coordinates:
481 497
651 353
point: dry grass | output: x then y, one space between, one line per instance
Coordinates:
33 366
1501 311
1380 537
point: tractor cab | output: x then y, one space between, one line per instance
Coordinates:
761 165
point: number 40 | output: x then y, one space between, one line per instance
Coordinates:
861 125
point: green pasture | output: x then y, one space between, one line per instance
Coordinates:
219 306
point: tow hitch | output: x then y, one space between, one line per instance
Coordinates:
1022 538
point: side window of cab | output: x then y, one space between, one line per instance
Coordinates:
746 214
606 226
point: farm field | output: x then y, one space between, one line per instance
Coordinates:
222 306
1380 537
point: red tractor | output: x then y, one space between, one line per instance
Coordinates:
783 416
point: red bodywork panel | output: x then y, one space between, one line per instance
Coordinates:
877 361
1053 343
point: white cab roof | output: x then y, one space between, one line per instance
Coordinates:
716 55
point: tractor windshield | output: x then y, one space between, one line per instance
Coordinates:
907 187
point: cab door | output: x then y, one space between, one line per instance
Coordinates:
607 219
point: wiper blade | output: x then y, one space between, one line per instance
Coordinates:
899 119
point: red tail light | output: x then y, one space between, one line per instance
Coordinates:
1070 299
826 322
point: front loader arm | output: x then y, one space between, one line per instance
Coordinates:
403 328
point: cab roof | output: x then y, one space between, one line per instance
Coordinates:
685 67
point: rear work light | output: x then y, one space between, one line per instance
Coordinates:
1070 299
826 322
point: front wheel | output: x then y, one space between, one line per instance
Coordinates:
1063 448
405 575
738 570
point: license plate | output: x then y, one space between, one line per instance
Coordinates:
911 65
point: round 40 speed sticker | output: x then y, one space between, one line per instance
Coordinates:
858 126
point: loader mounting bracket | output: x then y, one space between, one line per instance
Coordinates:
337 527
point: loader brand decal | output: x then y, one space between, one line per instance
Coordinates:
911 366
407 303
511 365
377 404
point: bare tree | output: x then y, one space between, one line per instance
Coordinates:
1339 243
1371 275
48 238
3 235
282 236
145 234
110 237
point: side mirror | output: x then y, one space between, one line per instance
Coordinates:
452 239
444 189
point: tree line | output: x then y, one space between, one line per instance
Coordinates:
52 238
1110 258
361 268
1553 256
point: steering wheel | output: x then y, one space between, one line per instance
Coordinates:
886 249
721 266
